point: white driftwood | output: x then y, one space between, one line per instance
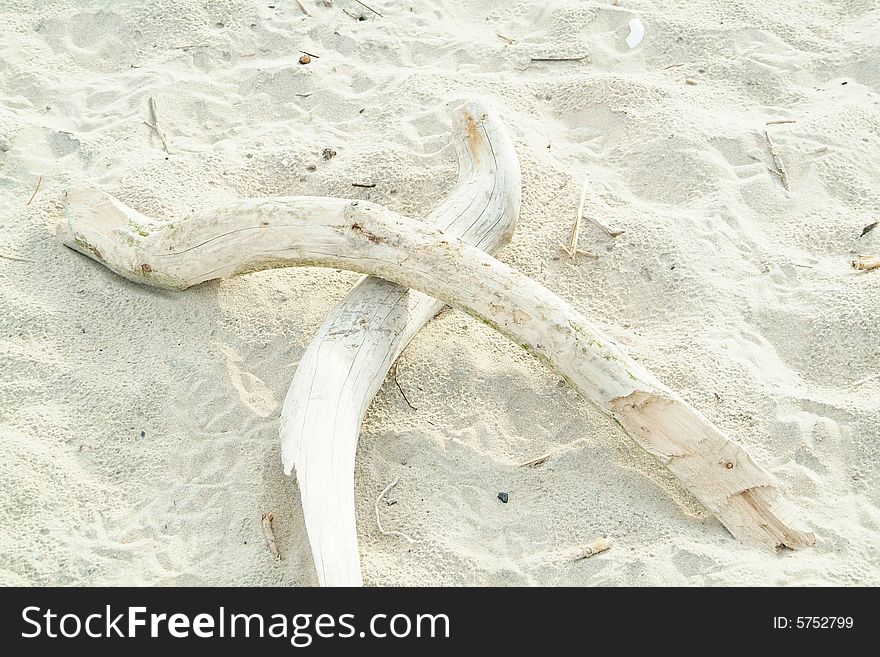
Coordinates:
349 358
256 234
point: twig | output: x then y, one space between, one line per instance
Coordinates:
303 7
36 189
16 258
865 263
302 95
508 39
379 520
576 228
402 393
586 254
354 16
777 160
558 59
611 232
535 462
867 229
365 185
310 54
154 113
370 8
863 381
558 191
597 546
666 68
266 520
780 121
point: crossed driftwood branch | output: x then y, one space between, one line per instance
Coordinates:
443 259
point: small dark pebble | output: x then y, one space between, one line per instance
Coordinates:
143 434
329 153
503 497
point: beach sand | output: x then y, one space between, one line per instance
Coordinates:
139 428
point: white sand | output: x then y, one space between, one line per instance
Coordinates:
735 292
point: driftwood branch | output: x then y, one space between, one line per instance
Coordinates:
349 358
256 234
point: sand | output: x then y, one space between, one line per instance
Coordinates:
139 428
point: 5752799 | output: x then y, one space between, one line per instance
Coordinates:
813 622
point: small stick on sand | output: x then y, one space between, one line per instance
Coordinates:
303 8
402 393
558 191
15 257
354 16
863 381
666 68
612 232
310 54
558 59
370 8
37 188
266 520
535 462
572 249
154 113
867 229
379 520
590 549
508 39
780 121
364 185
865 263
543 458
777 160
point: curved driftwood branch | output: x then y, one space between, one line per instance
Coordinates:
258 234
349 358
